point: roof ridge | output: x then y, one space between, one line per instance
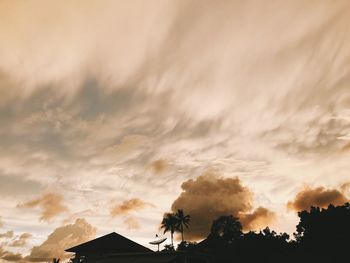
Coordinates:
112 241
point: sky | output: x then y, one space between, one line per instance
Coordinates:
113 113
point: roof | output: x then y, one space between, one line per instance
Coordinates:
111 243
157 257
150 258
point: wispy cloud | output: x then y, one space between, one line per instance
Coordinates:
106 101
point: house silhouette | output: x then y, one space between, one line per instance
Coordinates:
112 243
115 248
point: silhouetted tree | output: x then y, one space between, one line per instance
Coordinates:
186 246
324 232
169 223
226 227
182 220
168 248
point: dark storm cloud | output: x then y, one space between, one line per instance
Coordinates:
319 196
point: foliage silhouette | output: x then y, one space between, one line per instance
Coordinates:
226 227
186 246
322 235
170 224
168 248
182 220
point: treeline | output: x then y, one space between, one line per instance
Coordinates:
322 235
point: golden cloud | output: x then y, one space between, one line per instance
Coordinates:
125 208
131 223
21 241
10 256
51 205
8 234
62 238
159 166
128 206
259 218
320 197
210 196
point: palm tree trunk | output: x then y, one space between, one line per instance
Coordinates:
182 232
172 243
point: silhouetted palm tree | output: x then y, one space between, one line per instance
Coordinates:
169 223
182 220
227 227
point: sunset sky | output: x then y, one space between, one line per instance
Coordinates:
115 112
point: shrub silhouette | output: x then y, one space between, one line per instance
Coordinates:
322 235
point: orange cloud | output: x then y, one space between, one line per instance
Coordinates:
8 234
51 205
10 256
159 166
21 241
346 147
131 223
320 197
62 238
128 206
259 218
210 196
125 208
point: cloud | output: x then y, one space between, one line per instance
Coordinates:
259 218
1 223
8 234
128 206
125 208
16 185
94 78
62 238
21 241
319 196
210 196
131 223
10 256
159 166
51 205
